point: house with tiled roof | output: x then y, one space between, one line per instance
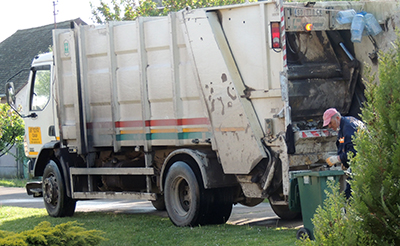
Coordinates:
16 54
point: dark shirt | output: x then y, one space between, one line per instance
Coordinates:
348 126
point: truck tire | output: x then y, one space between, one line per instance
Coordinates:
159 203
185 197
284 212
252 202
54 193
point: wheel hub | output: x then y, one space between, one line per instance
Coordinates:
184 195
50 190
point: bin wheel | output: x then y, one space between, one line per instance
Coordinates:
302 233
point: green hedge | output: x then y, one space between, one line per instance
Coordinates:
67 234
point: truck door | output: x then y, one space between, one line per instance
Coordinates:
39 125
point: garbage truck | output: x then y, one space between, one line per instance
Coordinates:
195 111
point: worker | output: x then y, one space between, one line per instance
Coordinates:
346 126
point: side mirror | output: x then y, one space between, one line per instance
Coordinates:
10 95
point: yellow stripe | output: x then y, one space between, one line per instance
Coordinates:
33 153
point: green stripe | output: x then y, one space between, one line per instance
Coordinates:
127 137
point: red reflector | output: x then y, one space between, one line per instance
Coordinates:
276 34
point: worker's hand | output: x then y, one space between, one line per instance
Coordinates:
344 168
332 160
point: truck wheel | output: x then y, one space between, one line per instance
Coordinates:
184 196
284 212
251 202
54 194
159 203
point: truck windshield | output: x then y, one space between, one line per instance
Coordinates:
40 90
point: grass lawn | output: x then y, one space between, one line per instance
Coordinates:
144 229
13 182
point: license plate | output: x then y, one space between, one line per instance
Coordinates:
35 136
307 12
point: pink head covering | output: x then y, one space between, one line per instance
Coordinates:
328 115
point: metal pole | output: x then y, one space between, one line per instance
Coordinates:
55 13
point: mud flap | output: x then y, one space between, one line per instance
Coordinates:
291 149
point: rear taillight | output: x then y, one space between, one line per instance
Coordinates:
276 34
308 27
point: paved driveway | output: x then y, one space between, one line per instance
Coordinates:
261 214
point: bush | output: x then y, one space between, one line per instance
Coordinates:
377 165
67 234
373 213
337 223
11 128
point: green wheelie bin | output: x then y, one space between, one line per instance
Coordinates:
311 193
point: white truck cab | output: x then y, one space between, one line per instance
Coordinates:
40 109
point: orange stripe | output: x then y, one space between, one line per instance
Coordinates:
131 132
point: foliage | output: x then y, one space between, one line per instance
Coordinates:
15 182
337 223
11 128
69 233
377 165
119 10
373 213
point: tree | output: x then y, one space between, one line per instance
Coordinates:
372 215
119 10
11 128
377 165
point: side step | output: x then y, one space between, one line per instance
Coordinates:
111 171
83 195
114 195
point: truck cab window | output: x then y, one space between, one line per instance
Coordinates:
40 90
